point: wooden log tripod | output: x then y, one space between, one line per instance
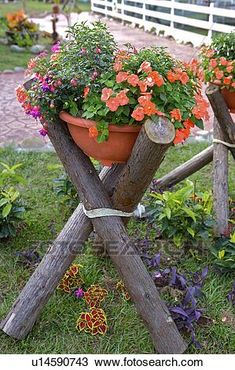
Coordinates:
126 186
122 188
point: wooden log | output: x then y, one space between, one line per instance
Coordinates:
150 148
220 183
165 336
134 175
186 169
222 114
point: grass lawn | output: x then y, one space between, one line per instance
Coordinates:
10 59
55 330
33 7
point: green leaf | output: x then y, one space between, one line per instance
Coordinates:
6 210
190 213
221 254
168 213
191 231
3 201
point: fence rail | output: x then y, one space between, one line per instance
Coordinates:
184 21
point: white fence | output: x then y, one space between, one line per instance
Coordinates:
178 18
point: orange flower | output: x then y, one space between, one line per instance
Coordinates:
122 98
21 94
209 53
86 91
223 61
149 108
121 76
188 123
106 93
157 78
32 63
93 132
213 63
133 80
179 136
138 114
200 110
229 69
176 114
146 67
142 99
184 78
117 66
219 74
171 76
227 80
113 104
143 86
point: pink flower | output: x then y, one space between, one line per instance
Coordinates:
43 132
56 47
79 293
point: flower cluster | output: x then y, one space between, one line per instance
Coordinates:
147 83
88 77
71 280
218 70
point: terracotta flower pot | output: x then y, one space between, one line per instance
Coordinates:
116 149
229 97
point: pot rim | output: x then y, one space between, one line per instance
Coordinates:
87 123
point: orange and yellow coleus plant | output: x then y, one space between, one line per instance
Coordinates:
16 18
71 280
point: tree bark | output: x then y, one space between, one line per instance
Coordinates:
220 183
165 335
222 114
186 169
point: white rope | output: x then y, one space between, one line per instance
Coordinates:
105 212
224 143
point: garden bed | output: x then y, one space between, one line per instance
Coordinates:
126 333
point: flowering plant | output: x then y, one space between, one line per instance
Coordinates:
218 61
89 77
21 31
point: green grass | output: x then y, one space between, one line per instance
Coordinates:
10 59
55 330
33 7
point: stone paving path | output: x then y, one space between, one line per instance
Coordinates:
21 131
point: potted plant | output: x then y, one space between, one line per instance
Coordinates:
218 61
105 94
21 31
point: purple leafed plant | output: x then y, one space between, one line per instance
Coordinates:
187 313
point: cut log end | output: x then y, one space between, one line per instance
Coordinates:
160 130
211 89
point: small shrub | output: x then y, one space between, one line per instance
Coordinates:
223 251
65 189
21 31
11 206
182 215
